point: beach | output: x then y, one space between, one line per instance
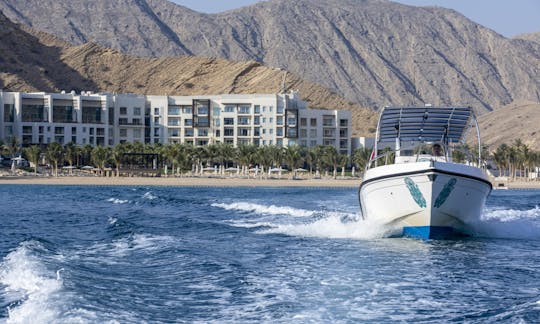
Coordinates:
202 181
179 181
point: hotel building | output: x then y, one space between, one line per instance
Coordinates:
109 119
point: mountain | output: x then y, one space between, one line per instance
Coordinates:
519 120
374 52
533 37
35 61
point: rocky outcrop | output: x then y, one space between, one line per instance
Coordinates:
374 52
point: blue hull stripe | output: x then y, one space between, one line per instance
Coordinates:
428 232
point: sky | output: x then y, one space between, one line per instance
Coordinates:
507 17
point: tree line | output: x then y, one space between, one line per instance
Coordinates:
181 159
515 160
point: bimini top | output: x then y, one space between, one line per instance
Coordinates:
425 124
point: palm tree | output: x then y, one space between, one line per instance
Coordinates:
293 158
32 154
245 156
70 154
361 158
100 155
331 158
12 146
343 160
117 154
54 155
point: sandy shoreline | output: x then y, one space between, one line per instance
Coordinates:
179 182
204 182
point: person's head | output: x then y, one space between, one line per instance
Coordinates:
437 150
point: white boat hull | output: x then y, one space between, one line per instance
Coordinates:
425 199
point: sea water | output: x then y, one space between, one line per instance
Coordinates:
94 254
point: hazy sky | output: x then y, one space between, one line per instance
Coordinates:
507 17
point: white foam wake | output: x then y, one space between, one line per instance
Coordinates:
334 226
509 223
29 288
148 195
117 201
265 210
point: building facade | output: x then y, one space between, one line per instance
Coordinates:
109 119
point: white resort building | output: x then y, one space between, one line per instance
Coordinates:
109 119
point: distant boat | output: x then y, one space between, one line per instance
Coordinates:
423 192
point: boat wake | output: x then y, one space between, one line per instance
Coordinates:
272 219
509 223
31 292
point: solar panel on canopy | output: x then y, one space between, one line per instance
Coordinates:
429 124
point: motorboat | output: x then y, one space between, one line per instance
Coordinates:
412 182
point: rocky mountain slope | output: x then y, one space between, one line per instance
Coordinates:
35 61
517 120
374 52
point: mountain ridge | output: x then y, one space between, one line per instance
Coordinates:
374 52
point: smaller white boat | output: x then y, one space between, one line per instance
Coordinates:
411 181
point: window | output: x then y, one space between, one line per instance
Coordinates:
343 143
187 109
279 109
173 121
264 130
173 111
217 111
243 120
313 122
303 132
271 131
202 132
91 131
122 121
156 111
270 120
257 109
270 108
228 121
156 132
137 111
312 133
264 120
313 143
329 133
264 108
244 109
100 131
291 121
174 132
9 113
123 132
188 132
244 132
343 122
230 108
188 122
328 121
228 132
279 120
156 120
201 110
303 121
136 134
217 122
343 132
256 120
137 121
279 131
123 110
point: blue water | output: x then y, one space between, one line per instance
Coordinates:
275 255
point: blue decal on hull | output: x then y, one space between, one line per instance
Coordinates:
428 232
415 192
445 192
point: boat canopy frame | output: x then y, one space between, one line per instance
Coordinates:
426 124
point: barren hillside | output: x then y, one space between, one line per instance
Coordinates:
35 61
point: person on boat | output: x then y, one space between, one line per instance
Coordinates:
436 150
